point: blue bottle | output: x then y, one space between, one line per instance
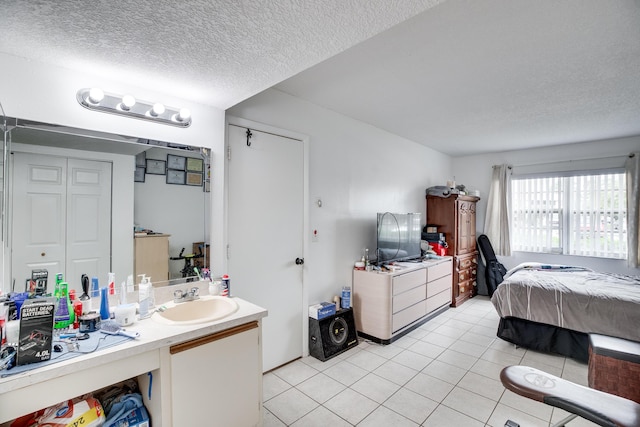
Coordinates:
345 301
104 304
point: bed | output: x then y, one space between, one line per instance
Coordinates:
553 308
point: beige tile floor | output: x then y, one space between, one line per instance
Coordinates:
445 373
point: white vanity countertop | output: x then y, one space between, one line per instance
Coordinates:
153 336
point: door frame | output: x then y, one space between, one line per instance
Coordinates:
238 121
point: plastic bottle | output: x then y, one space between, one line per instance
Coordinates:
225 288
77 310
345 301
61 318
111 283
95 295
56 289
144 297
367 263
104 304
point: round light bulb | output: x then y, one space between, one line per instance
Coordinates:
184 114
95 95
157 109
128 101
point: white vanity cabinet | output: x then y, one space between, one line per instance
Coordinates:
54 389
216 380
387 305
207 374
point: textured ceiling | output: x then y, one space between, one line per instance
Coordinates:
216 52
494 75
465 76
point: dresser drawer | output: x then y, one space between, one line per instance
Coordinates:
466 286
439 270
408 315
406 281
437 286
467 262
408 298
463 275
437 301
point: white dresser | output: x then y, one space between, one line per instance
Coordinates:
387 305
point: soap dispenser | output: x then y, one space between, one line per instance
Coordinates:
145 296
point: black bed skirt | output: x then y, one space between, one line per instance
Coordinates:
545 338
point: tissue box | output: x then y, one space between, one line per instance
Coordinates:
322 310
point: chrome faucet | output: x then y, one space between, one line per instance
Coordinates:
184 296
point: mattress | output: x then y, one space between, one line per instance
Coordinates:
573 298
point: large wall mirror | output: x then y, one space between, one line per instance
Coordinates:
82 202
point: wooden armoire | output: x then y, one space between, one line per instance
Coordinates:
455 216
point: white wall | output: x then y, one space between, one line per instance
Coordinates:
357 170
475 172
41 92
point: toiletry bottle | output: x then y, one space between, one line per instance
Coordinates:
61 316
77 311
367 264
345 301
225 288
104 304
71 300
56 289
144 292
111 281
95 295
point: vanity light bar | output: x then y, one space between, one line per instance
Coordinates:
127 105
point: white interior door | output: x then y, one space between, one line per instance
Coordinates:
265 235
55 203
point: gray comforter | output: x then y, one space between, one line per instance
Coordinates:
573 298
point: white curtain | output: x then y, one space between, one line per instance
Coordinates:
632 167
496 223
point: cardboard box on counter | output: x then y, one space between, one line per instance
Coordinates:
36 333
322 310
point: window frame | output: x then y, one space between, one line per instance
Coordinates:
566 208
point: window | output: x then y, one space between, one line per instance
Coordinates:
571 214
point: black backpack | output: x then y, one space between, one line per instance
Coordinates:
494 270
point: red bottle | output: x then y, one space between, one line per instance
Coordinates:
77 310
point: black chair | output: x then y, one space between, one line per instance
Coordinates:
602 408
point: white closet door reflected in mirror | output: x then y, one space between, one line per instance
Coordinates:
74 199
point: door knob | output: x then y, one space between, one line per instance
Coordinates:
299 261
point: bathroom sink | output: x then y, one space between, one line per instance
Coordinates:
205 309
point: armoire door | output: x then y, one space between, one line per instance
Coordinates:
466 227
